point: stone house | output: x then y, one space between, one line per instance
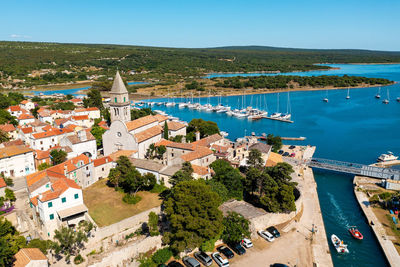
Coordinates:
16 161
10 130
83 142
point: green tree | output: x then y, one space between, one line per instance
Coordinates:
69 97
43 166
236 228
58 156
161 256
153 224
69 241
4 137
98 132
253 181
206 128
184 174
6 117
43 245
192 210
114 177
93 99
229 177
220 189
275 142
165 133
138 113
35 111
255 159
10 242
9 195
161 151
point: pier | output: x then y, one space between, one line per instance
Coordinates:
355 168
279 119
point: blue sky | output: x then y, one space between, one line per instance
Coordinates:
365 24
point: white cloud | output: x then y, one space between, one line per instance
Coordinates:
20 36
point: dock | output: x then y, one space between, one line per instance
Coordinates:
301 138
386 244
278 119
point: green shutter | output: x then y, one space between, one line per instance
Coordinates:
115 100
50 204
63 200
76 196
51 216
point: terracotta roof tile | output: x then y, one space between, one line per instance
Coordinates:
27 130
42 154
163 142
2 183
114 156
17 142
25 116
15 108
14 151
160 118
25 255
200 170
24 102
135 124
207 141
175 126
186 146
7 128
102 161
80 117
199 153
148 133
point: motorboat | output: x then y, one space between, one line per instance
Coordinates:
224 134
355 233
182 105
275 115
398 99
285 116
378 95
348 93
325 100
338 244
387 157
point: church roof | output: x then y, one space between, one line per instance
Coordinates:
118 85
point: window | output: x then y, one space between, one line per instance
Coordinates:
47 185
115 100
124 99
50 204
102 169
76 196
41 142
52 216
63 200
87 167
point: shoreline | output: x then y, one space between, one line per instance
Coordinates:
388 249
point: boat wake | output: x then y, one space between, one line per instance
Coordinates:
339 212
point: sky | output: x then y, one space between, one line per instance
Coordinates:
324 24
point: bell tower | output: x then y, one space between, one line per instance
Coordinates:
119 104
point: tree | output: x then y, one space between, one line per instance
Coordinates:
229 177
9 195
161 256
6 117
98 132
58 156
165 133
69 97
184 174
35 111
160 151
255 159
220 189
236 228
93 99
69 241
4 137
275 142
206 128
43 166
138 113
153 224
253 181
192 210
43 245
10 242
114 177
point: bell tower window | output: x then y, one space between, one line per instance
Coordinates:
124 99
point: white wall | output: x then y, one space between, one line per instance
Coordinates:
26 121
143 146
22 165
179 132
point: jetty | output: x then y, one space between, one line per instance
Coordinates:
386 244
278 119
301 138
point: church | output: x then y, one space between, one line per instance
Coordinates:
125 134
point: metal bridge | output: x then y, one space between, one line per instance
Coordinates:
355 168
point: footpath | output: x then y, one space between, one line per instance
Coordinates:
387 246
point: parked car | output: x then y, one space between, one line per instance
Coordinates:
238 248
266 235
191 262
175 264
292 155
219 260
246 243
285 154
203 258
280 152
226 251
292 147
278 265
274 231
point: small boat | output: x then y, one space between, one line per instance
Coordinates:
339 245
348 93
355 233
398 99
378 95
387 157
326 100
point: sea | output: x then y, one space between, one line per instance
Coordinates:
358 130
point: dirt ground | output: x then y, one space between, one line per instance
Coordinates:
106 206
381 215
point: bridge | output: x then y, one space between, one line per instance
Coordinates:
354 168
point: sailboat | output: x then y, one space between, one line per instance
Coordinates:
386 101
378 95
276 114
287 115
326 98
348 93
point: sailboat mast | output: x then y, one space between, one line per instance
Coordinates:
277 106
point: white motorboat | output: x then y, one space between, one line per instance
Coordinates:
398 99
326 100
170 104
386 101
285 116
276 115
224 134
182 105
348 93
387 157
339 245
378 95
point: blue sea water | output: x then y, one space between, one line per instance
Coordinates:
73 91
356 130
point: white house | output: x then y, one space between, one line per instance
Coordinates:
15 111
148 166
82 120
10 130
25 119
176 128
102 167
16 161
83 142
46 140
57 201
27 104
30 257
45 116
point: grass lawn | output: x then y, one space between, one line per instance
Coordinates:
106 206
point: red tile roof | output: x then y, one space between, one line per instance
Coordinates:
27 130
163 142
53 132
102 161
7 128
80 117
207 141
25 116
199 153
76 100
135 124
149 133
15 108
42 154
2 183
92 109
24 102
200 170
175 126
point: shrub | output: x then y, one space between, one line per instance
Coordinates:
131 199
162 255
78 259
158 188
208 245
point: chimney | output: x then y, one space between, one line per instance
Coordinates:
197 136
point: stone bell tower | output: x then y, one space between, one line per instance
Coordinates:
119 104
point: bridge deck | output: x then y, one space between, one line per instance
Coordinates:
355 168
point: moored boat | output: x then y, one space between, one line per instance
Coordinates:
387 157
355 233
338 244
